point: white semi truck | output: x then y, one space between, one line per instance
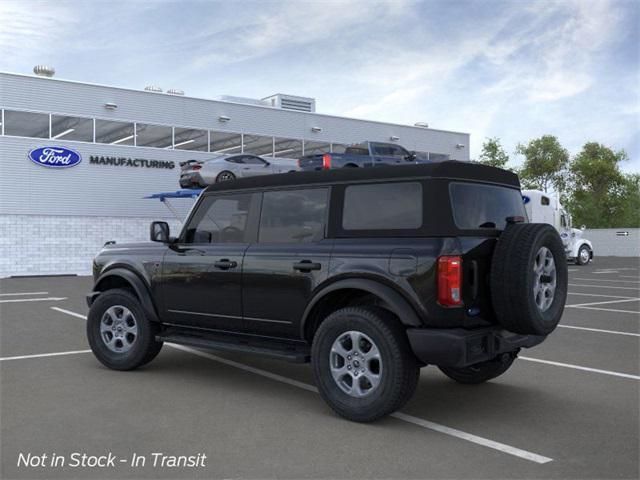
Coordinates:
543 208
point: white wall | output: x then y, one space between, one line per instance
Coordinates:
607 242
49 245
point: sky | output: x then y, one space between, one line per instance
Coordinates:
515 70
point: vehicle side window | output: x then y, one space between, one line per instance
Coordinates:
235 160
220 219
389 150
251 160
383 206
544 200
563 221
293 216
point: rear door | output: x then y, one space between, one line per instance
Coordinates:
202 272
387 154
289 260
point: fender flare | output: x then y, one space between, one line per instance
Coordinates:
580 244
396 302
138 285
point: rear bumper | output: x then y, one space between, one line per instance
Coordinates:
457 347
189 180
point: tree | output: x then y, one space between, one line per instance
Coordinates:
493 154
601 195
545 164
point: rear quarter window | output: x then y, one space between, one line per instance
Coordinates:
478 206
383 206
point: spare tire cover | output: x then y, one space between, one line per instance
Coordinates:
529 278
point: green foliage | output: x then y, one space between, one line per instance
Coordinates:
493 154
601 196
545 164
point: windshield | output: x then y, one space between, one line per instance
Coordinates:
476 206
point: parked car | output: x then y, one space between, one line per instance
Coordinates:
544 208
366 154
351 269
200 173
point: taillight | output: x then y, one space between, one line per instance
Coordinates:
450 281
299 163
326 161
196 167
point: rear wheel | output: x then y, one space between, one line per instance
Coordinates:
363 363
225 177
584 255
119 332
481 372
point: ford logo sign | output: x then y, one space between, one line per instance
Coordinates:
55 157
525 199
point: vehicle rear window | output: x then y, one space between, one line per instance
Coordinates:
383 206
477 206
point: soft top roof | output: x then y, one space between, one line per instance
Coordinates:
450 169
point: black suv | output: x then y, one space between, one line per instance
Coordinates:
369 274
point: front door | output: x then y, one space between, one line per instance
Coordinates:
290 259
386 154
252 166
202 272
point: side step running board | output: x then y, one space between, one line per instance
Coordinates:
229 343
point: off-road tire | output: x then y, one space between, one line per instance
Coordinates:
399 375
579 260
512 279
144 349
480 372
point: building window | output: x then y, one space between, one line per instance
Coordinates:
190 139
438 157
314 148
26 124
293 216
157 136
71 128
384 206
287 148
226 143
114 133
258 145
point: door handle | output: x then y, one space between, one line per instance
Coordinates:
306 266
225 264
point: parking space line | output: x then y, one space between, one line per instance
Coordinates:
606 280
633 312
579 367
47 299
605 286
600 330
628 276
68 312
604 302
597 295
23 293
40 355
517 452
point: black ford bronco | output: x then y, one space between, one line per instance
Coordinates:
370 274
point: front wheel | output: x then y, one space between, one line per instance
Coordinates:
481 372
119 332
363 364
584 255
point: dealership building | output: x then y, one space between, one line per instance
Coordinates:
127 144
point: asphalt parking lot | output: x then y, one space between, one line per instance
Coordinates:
568 408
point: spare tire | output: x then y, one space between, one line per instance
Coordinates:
529 278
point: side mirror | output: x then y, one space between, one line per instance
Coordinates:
411 157
583 228
266 164
159 232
